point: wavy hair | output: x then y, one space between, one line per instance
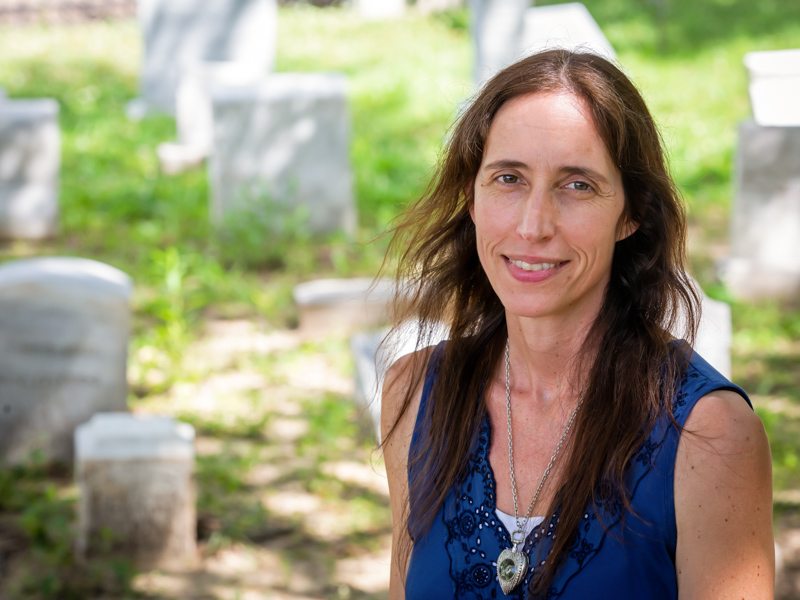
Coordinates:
632 371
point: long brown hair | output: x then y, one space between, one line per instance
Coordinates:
627 354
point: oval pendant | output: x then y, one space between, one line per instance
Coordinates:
511 568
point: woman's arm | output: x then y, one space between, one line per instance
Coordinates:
399 378
723 503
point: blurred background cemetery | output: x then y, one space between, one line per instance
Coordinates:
191 238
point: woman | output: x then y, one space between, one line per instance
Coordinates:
561 444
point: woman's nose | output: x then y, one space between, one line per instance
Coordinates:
538 217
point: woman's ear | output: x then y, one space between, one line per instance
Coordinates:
626 228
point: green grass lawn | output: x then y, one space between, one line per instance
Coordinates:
406 81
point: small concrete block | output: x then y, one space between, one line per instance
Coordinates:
285 141
336 305
374 10
30 161
181 33
64 327
372 360
775 87
497 27
135 476
569 26
715 335
765 222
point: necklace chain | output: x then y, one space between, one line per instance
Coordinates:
521 528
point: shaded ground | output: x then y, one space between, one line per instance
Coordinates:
292 500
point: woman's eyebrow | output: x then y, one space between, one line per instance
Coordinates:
505 164
586 172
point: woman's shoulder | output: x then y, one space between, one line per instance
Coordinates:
723 499
402 393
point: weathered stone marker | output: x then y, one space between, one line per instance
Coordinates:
64 327
775 87
284 141
497 30
137 492
194 116
372 360
765 222
180 33
30 161
569 26
337 305
506 30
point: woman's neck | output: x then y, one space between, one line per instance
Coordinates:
543 355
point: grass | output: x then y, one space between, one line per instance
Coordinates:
406 80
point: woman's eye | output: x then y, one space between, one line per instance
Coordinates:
508 179
580 186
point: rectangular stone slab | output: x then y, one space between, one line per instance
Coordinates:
284 142
64 327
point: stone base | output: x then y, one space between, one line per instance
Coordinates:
136 479
143 510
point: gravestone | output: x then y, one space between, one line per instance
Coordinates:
715 335
372 360
137 493
64 326
765 222
374 10
180 33
775 87
569 26
284 141
337 305
194 115
505 31
30 160
497 32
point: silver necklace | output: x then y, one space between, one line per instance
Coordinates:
512 564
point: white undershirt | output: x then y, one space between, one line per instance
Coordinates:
511 523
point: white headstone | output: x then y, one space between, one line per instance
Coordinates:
765 222
180 33
30 161
775 87
715 335
335 305
64 326
569 26
135 476
374 10
373 360
505 31
284 141
497 32
194 115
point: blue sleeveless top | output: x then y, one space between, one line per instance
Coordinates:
610 558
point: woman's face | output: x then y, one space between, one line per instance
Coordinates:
548 205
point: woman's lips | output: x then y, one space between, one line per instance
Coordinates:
532 270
